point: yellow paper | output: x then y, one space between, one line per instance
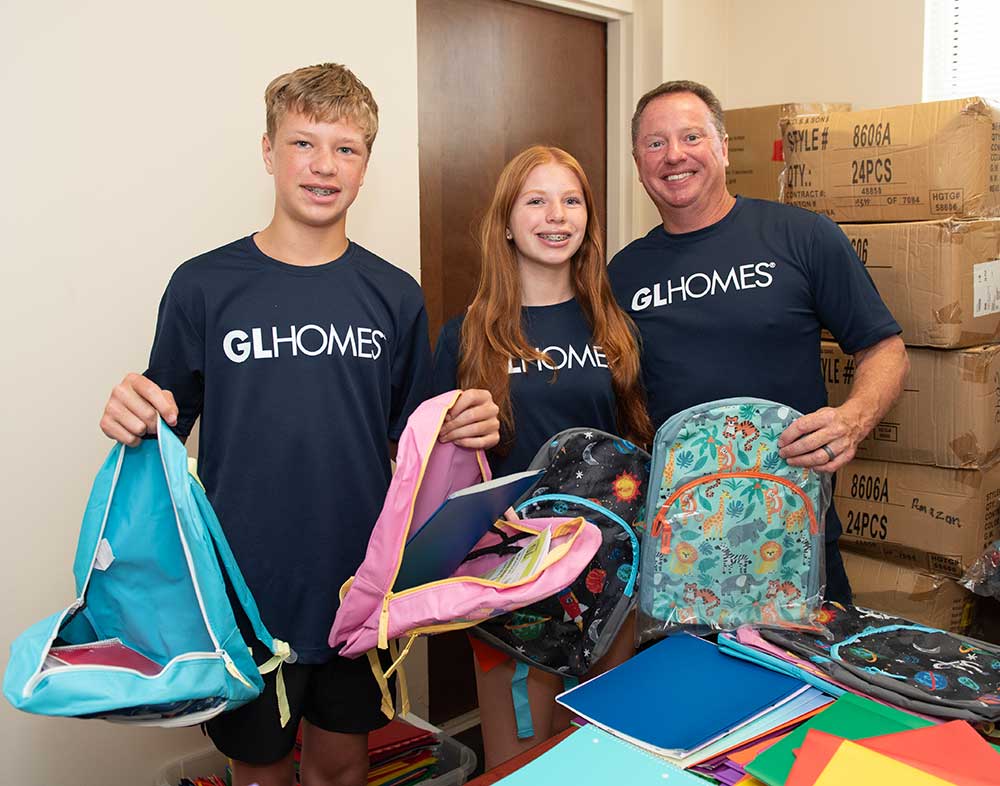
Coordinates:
853 765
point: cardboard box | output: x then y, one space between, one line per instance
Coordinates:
948 414
935 601
929 518
755 155
903 163
940 279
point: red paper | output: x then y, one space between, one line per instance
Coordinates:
953 751
109 652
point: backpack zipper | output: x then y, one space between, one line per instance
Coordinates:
584 502
659 521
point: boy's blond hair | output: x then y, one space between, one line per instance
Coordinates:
327 92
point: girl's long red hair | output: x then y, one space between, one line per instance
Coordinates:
492 333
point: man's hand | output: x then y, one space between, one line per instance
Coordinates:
472 422
802 443
825 440
132 409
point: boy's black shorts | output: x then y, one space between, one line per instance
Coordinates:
341 695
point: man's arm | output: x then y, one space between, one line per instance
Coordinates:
879 373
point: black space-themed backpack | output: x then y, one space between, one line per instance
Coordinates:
913 666
603 478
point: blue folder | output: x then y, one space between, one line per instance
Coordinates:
679 695
441 543
592 757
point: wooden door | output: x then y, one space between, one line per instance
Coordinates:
494 77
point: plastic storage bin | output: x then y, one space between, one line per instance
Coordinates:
456 763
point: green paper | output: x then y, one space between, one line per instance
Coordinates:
851 717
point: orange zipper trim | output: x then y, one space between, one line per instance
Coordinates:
660 524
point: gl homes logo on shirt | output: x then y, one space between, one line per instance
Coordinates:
308 340
699 285
561 357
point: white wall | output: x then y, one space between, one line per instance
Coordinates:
131 141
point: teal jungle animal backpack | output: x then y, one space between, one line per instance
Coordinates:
151 637
735 533
602 478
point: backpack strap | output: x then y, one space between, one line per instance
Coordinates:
522 704
281 651
382 676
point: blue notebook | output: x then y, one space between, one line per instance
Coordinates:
680 695
440 545
592 757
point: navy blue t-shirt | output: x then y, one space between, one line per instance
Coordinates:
736 308
301 376
580 393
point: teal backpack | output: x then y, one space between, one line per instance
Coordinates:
151 637
735 533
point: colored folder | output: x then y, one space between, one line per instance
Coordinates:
679 695
851 717
592 757
441 543
855 765
952 751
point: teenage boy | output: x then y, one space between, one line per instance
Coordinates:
303 354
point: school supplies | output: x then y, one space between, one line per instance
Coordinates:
151 569
953 751
851 717
593 757
373 614
735 533
439 545
109 652
679 696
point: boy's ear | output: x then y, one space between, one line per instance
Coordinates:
265 145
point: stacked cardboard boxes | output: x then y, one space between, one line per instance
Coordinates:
915 188
755 145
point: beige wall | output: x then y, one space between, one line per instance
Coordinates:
870 54
131 143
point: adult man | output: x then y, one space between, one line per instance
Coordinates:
730 293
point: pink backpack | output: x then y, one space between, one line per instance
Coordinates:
372 615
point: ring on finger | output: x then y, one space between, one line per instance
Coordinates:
829 452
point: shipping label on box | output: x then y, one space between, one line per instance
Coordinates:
948 414
755 149
925 598
940 279
903 163
929 518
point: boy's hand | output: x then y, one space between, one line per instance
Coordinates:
132 409
472 421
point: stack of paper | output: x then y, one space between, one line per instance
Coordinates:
950 753
686 702
850 717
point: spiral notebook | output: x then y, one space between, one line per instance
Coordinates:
592 757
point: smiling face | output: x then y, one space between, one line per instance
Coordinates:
681 158
318 168
549 217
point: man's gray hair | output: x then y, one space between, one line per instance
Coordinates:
681 86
